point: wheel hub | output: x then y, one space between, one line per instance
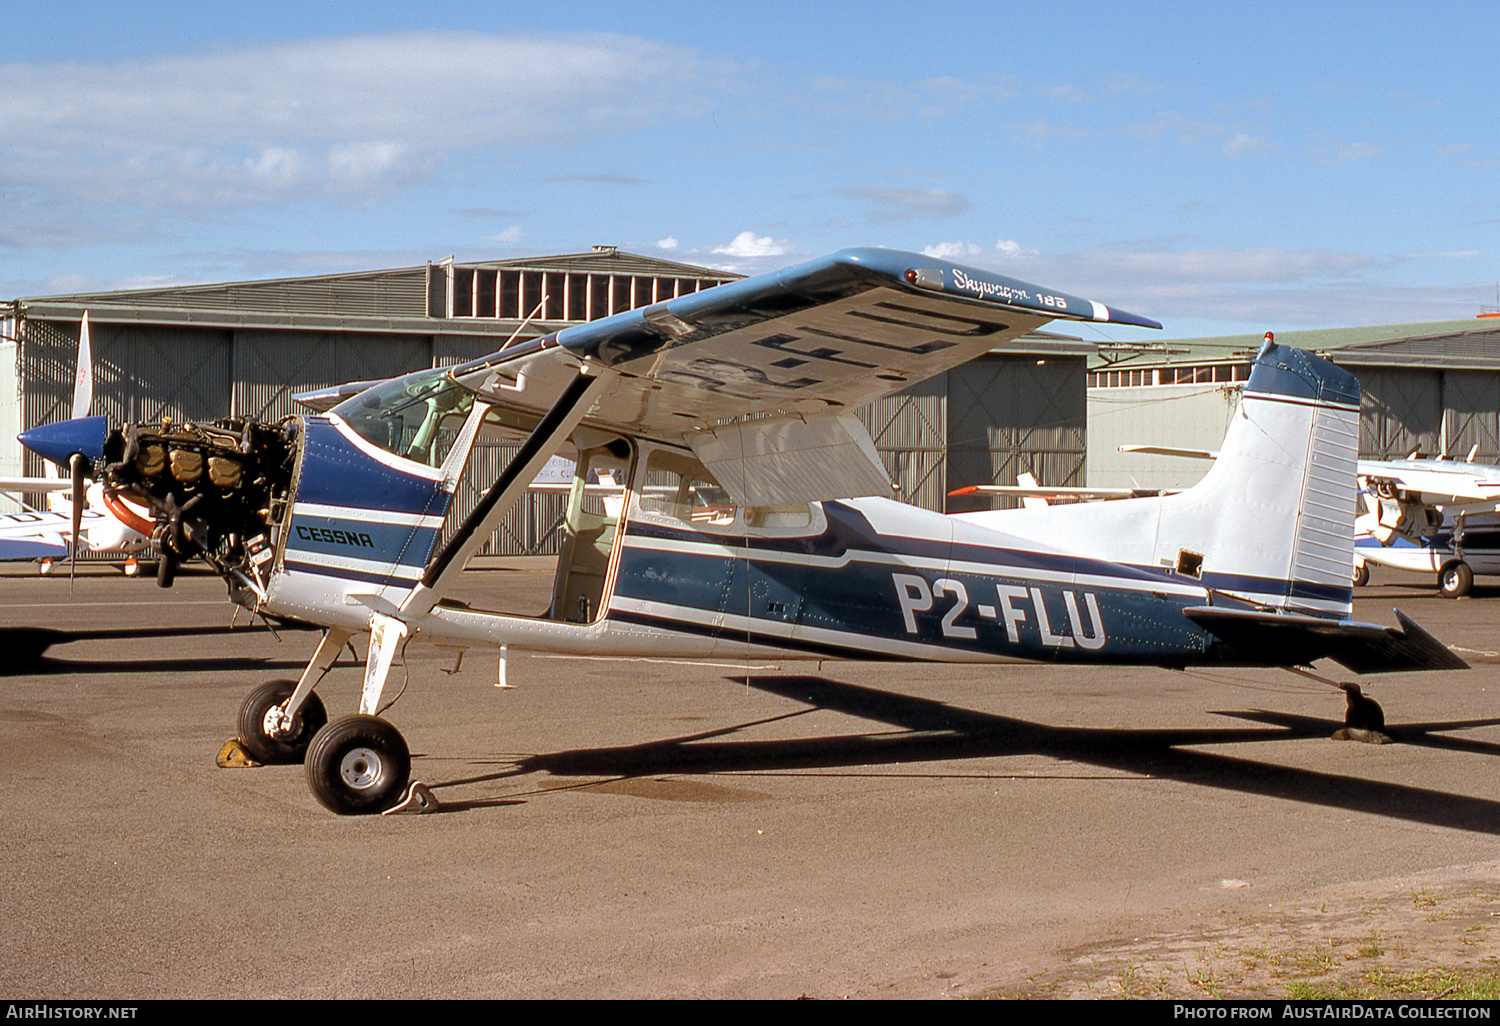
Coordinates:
280 726
360 768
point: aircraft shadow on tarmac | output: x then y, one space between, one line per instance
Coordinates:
26 649
935 731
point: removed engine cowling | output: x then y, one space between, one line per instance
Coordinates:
216 491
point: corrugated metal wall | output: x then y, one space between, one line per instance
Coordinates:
983 423
910 430
1406 409
273 365
141 373
1401 409
1012 414
1472 402
1182 416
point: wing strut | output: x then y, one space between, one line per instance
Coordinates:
555 427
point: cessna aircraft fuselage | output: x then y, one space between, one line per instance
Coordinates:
689 572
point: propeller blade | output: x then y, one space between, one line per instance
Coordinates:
83 373
78 466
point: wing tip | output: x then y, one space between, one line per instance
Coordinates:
935 273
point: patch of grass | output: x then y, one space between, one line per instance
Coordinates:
1203 978
1310 962
1424 899
1370 948
1451 984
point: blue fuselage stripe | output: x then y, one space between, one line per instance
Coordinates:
878 608
357 518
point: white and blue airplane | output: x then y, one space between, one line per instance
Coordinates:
755 518
1434 516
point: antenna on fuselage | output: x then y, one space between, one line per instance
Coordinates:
522 326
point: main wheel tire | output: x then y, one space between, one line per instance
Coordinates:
1455 580
358 765
279 748
1361 575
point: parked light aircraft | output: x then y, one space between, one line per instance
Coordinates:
84 518
1435 516
746 526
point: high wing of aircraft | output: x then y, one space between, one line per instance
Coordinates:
1435 516
755 517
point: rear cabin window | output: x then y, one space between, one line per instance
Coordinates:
676 485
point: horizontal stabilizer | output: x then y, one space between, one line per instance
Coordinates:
1167 450
1060 492
1289 638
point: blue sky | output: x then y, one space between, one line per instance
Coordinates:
1224 168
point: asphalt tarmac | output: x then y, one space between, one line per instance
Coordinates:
661 829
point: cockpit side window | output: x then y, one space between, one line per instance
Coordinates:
678 486
415 417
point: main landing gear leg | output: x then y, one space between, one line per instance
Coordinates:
278 719
360 764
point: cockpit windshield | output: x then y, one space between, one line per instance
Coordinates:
415 417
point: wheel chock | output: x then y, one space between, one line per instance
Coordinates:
1369 737
234 756
418 799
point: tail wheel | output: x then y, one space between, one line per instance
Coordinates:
358 765
259 723
1455 580
1361 575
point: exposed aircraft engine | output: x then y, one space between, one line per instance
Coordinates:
1398 513
215 490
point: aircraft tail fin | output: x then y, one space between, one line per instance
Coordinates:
1272 521
1274 517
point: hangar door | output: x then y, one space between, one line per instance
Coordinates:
1009 415
1407 409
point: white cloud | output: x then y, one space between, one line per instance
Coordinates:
1065 93
1186 127
1329 149
952 250
1005 249
1012 250
1127 84
749 246
909 204
1242 144
509 237
669 243
940 96
1264 266
351 116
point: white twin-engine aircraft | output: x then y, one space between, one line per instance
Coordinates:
743 525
